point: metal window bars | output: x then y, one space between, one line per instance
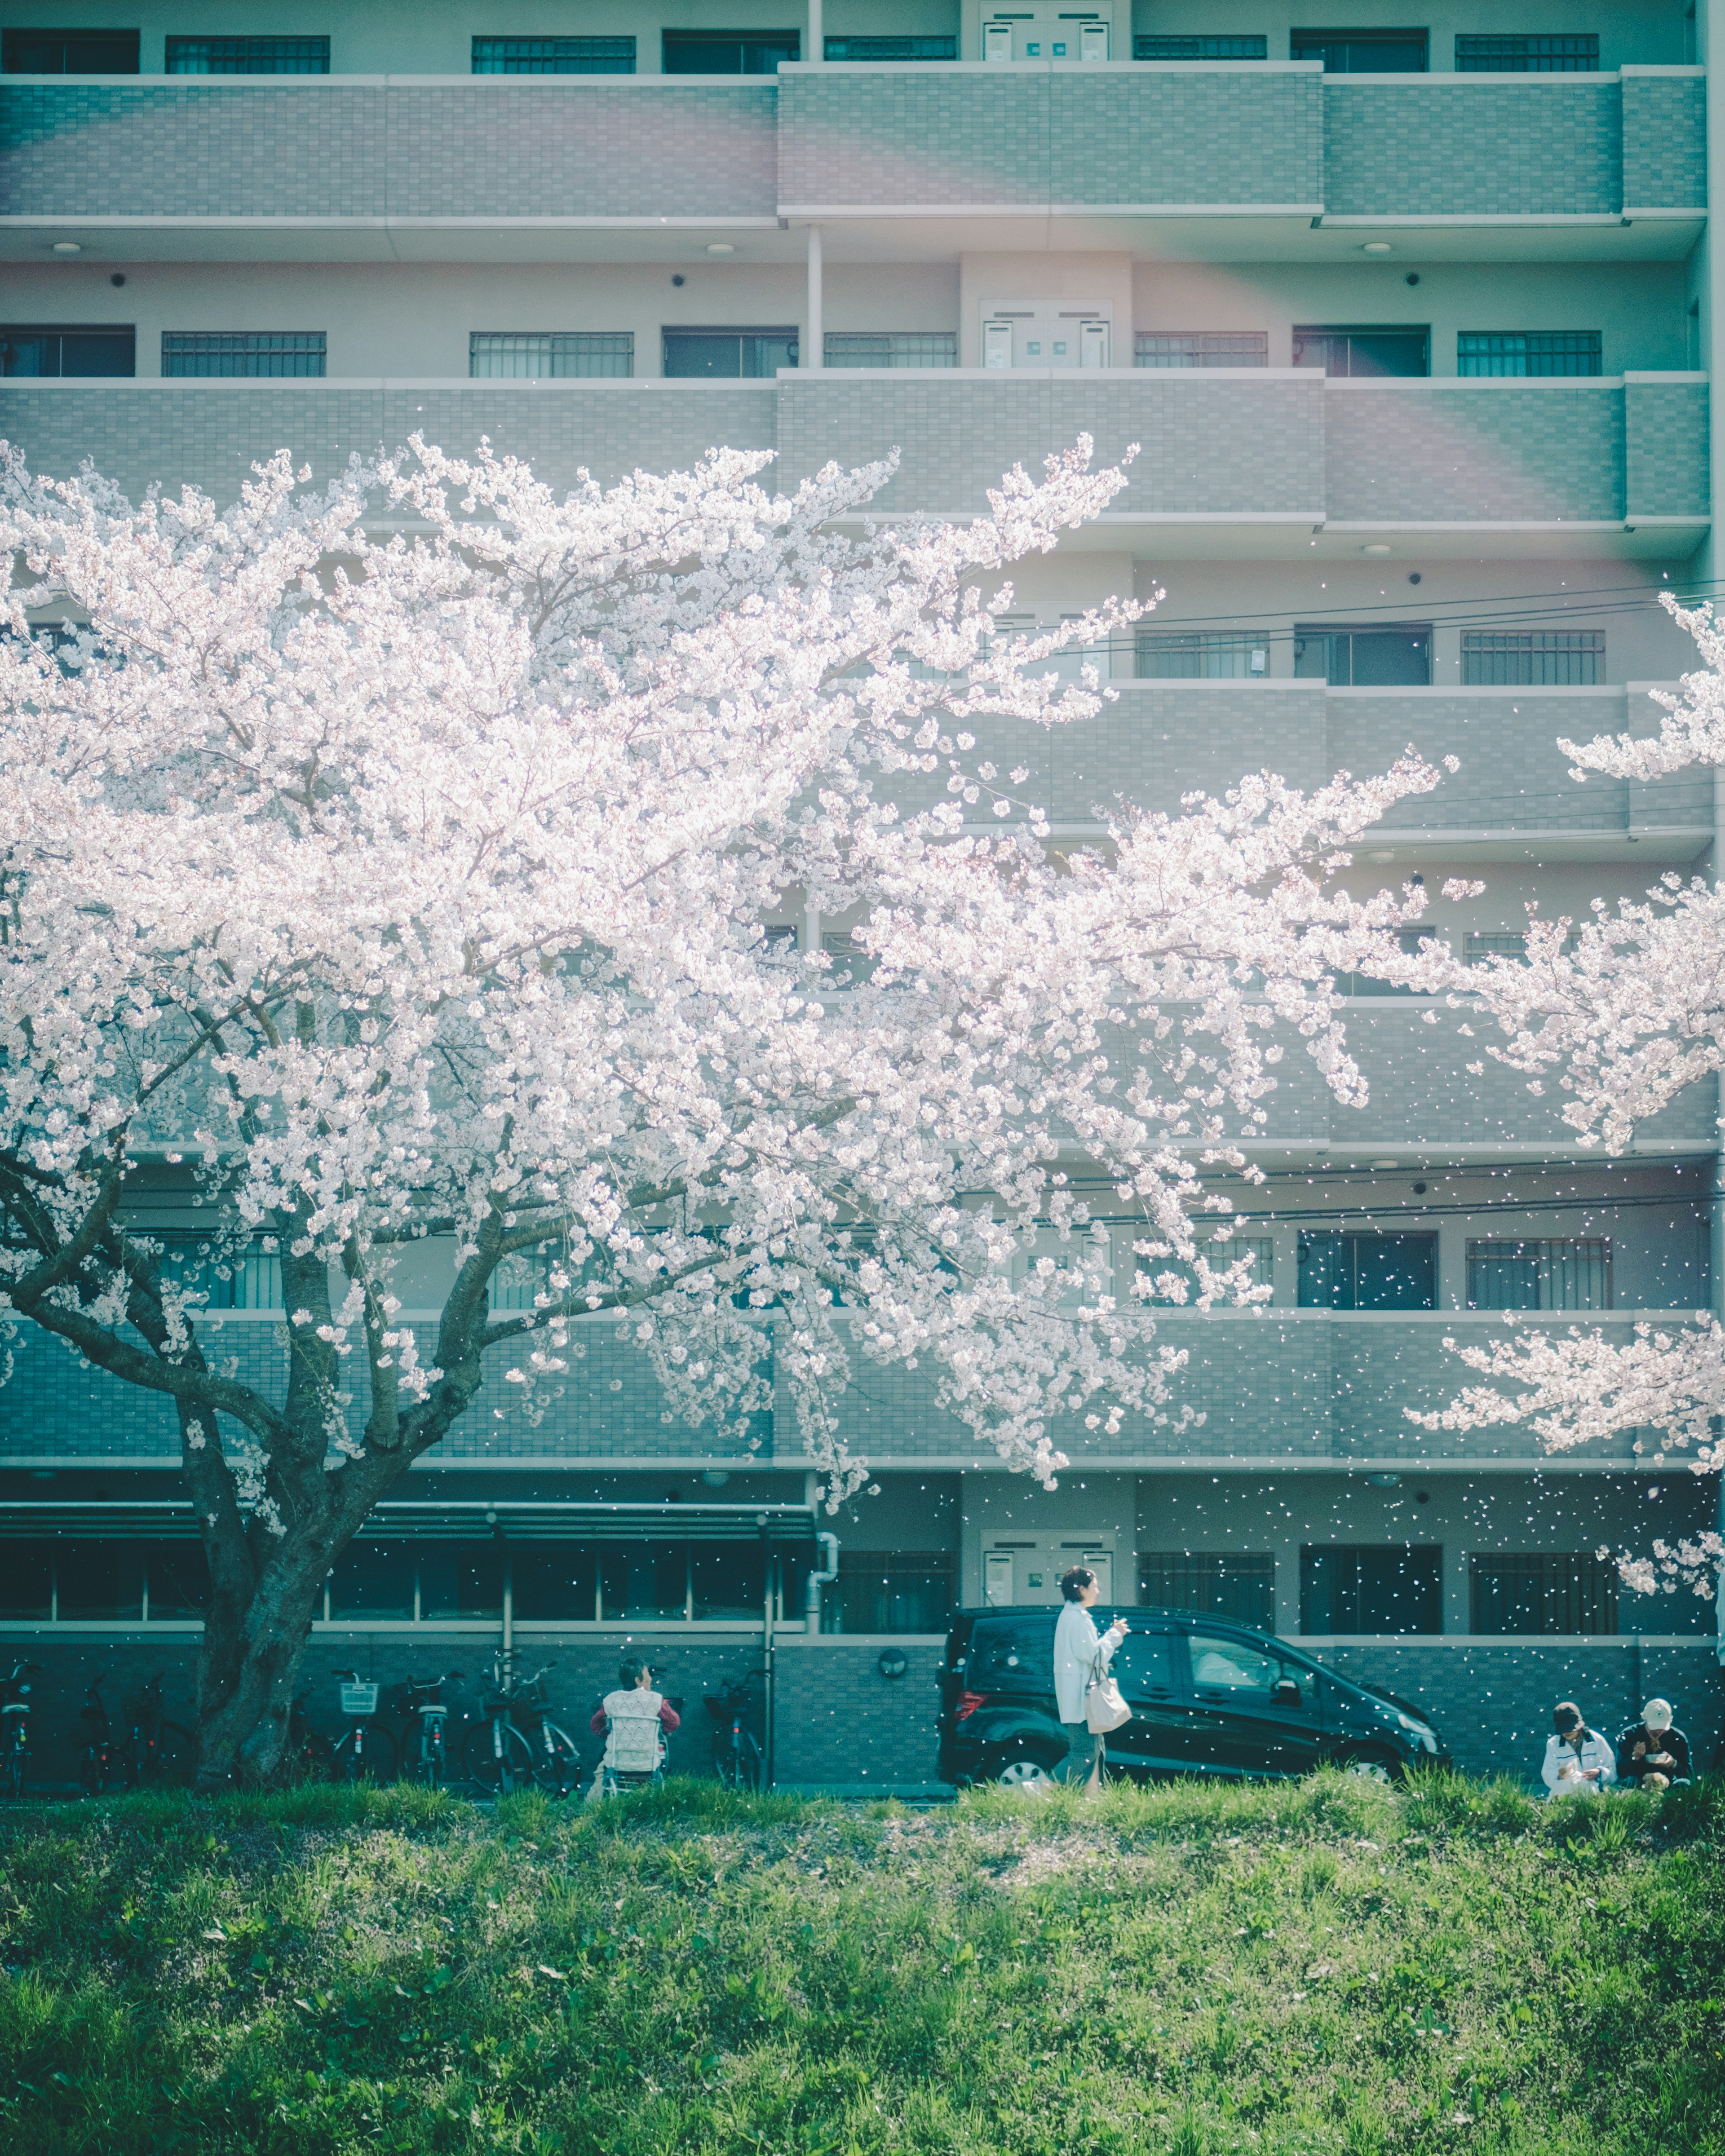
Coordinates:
550 355
259 353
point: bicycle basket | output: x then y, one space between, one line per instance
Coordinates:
359 1699
721 1710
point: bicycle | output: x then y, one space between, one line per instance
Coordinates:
367 1751
500 1759
427 1747
153 1751
95 1762
15 1727
308 1756
736 1757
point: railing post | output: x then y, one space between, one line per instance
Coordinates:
817 51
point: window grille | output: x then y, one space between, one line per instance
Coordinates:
247 56
891 1591
250 353
553 56
1200 49
1519 55
1201 348
248 1279
1171 655
1260 1249
1343 1271
730 52
1552 1272
1239 1584
70 52
1563 1591
42 350
892 49
1527 353
1368 984
550 355
1083 1267
1394 1587
1532 658
1493 943
892 348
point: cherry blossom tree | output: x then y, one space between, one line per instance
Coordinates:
396 864
1625 1009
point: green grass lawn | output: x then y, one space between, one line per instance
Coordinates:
1327 1966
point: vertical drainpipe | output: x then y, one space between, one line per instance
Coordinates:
814 304
816 52
767 1658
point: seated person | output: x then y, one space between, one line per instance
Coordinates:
1650 1753
634 1719
1579 1762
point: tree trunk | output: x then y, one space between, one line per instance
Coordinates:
249 1667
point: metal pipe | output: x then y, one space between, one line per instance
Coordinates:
814 335
817 1580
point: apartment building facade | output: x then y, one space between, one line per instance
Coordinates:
1415 322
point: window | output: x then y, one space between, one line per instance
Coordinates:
1368 984
1260 1249
460 1579
375 1580
1171 655
1527 353
1398 349
26 1585
1248 1673
727 355
248 1279
70 52
247 56
97 1580
1343 1271
250 353
1531 659
892 49
1558 1272
641 1581
1237 1584
730 52
553 55
1516 55
1201 348
553 1581
727 1579
892 348
1393 656
176 1580
1200 49
1542 1591
1083 1268
1372 1587
1362 52
550 355
891 1591
67 348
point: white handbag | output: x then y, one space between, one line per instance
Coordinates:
1104 1708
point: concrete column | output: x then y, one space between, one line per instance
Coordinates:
813 333
817 51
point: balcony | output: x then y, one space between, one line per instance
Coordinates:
1134 152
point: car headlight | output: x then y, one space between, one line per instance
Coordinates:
1423 1731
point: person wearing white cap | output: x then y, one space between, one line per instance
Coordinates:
1650 1752
1578 1760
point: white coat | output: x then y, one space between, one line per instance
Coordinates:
1559 1753
1075 1649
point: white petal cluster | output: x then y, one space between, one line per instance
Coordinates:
396 862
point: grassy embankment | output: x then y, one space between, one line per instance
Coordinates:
1328 1967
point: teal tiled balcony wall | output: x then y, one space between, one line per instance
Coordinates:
1277 136
1271 444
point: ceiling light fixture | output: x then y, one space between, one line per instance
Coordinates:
1377 246
66 246
719 247
1375 548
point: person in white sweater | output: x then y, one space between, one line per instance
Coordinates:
1078 1646
1579 1762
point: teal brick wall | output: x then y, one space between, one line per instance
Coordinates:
1459 453
1665 449
1665 161
1550 144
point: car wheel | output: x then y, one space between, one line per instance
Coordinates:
1030 1778
1373 1767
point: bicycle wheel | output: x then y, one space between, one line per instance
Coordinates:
497 1767
167 1763
556 1764
372 1762
748 1764
93 1772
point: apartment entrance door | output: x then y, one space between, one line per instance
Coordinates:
1021 1569
1042 30
1057 333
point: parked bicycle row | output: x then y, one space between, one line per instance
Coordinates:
411 1730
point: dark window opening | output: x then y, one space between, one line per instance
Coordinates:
1375 350
640 1581
26 1585
1552 1272
553 1581
177 1575
70 52
460 1579
1372 1587
99 1580
66 348
1343 1271
891 1591
373 1579
1523 353
730 52
1578 54
725 354
892 49
1238 1584
553 56
256 354
247 56
1200 49
1396 656
1362 52
1542 1591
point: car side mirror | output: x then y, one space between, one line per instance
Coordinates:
1285 1692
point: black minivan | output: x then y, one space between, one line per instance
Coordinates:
1208 1697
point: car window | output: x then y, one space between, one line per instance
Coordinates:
1012 1655
1219 1664
1143 1663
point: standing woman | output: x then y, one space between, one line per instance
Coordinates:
1078 1647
